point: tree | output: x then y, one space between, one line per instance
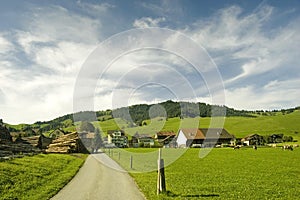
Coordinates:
87 126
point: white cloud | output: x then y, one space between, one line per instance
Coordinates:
231 36
5 45
146 22
56 42
274 95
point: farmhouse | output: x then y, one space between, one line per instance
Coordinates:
188 137
142 140
166 138
253 139
117 137
194 137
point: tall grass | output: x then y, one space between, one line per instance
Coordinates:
37 177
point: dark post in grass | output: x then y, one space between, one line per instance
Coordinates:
130 162
161 182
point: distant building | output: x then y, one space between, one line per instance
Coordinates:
194 137
217 136
166 138
118 138
188 137
253 139
142 140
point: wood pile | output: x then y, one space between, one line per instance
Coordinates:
33 140
69 143
8 149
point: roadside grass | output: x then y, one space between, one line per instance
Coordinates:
268 173
37 177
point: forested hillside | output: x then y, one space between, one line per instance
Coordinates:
138 114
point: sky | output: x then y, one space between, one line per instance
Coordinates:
46 48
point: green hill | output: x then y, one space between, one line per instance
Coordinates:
288 124
178 114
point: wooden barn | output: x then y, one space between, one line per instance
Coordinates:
194 137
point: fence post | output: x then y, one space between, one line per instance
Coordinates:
161 181
130 162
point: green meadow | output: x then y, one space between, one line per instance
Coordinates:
287 124
37 177
267 173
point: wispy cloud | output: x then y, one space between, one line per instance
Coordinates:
95 9
146 22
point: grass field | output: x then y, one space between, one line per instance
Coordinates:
37 177
268 173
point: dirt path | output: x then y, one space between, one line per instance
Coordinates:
97 181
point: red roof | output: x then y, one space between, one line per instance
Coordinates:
193 133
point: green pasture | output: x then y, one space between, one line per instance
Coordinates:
37 177
266 173
288 124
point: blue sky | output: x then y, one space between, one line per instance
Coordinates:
43 45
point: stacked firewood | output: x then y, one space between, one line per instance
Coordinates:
69 143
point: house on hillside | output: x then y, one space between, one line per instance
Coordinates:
253 139
166 138
142 140
118 138
194 137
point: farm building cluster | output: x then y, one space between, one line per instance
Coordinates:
188 137
59 141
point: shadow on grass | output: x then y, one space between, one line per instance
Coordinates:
171 194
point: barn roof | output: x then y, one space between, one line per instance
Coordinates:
166 133
220 133
192 133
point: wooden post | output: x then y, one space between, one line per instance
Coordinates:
130 162
161 181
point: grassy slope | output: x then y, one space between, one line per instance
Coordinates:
37 177
268 173
239 126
